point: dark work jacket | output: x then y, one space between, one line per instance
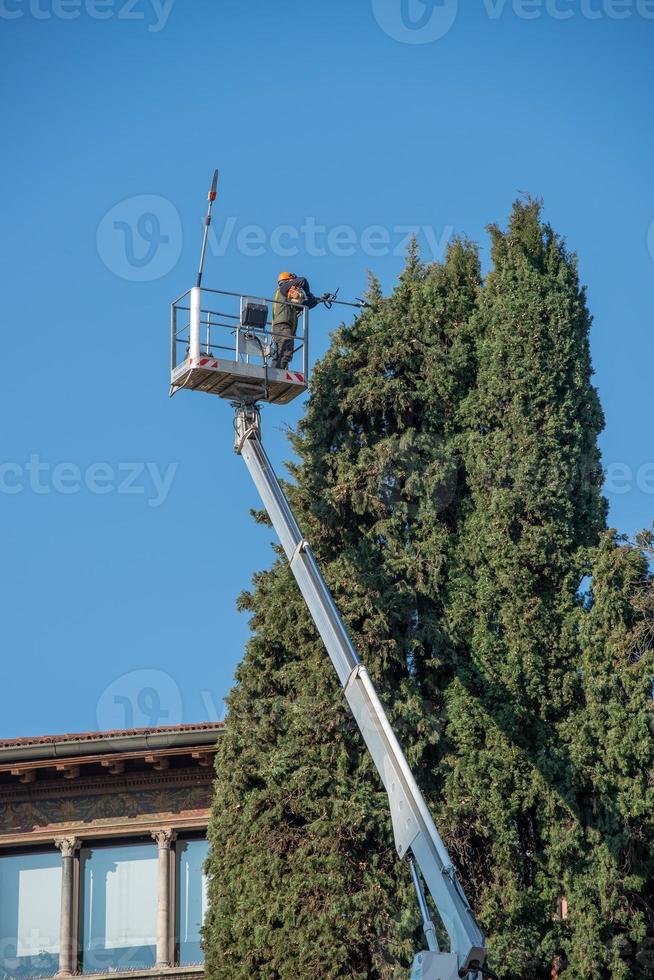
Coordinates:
290 312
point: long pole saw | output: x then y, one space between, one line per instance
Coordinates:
207 223
330 299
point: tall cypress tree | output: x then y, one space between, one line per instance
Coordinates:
530 449
609 878
303 875
448 479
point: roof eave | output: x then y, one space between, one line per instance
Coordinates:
121 742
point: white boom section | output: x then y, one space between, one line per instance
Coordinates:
413 827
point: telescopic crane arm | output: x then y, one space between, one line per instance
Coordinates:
416 836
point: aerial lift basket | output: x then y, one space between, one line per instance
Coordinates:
222 343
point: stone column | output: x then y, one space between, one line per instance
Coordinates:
164 839
67 946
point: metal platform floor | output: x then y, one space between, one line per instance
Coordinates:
236 381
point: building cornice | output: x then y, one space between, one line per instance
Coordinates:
100 786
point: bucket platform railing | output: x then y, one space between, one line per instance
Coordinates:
223 343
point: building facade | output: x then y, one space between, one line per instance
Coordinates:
102 846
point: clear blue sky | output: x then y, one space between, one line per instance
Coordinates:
384 113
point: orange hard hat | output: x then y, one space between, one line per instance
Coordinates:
283 276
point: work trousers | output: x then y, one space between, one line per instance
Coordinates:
284 337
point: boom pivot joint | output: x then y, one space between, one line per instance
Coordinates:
247 423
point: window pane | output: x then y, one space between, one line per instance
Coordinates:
119 907
191 899
30 898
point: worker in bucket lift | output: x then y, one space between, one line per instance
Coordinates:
293 293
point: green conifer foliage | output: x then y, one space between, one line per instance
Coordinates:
609 879
530 450
448 478
304 879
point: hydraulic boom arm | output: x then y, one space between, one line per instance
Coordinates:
416 836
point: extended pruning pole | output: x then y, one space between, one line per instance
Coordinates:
207 222
360 304
416 836
331 299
